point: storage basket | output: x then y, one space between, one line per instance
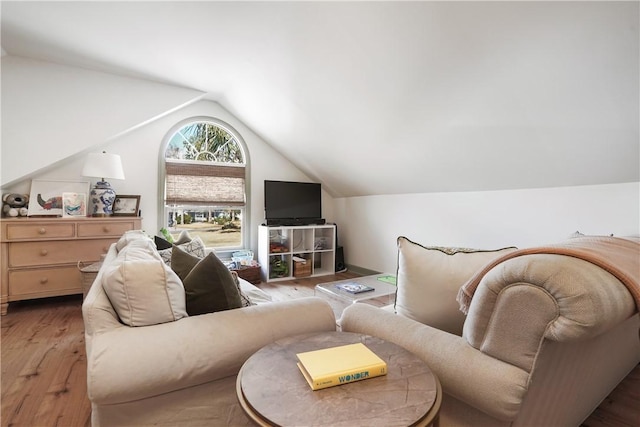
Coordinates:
249 273
88 274
301 269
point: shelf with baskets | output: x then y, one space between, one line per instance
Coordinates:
286 252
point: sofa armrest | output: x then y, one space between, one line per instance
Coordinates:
488 384
130 363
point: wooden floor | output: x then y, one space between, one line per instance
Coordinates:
44 364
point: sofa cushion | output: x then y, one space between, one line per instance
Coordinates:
194 247
182 262
429 278
130 236
244 298
162 243
183 237
142 288
210 287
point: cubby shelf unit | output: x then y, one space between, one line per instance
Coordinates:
277 247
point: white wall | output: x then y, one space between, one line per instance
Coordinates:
52 115
51 112
140 153
369 226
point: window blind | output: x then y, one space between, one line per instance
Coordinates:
204 184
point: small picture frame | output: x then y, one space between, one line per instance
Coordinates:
126 205
74 204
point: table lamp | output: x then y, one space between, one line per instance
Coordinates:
102 196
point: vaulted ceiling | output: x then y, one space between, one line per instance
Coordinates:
383 97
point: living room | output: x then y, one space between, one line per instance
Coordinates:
478 124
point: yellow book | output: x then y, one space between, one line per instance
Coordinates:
340 365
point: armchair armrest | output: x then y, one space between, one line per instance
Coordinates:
486 383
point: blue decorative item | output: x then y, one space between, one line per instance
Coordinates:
102 196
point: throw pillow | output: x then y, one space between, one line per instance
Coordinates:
209 287
141 288
182 263
429 278
183 237
194 247
244 298
162 243
130 236
166 241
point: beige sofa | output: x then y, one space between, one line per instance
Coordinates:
182 372
546 339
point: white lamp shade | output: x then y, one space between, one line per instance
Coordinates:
103 165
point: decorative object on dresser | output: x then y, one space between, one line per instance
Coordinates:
126 205
46 195
74 204
14 204
40 257
103 165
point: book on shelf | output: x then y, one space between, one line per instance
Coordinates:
354 288
344 364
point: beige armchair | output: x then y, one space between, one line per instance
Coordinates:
547 338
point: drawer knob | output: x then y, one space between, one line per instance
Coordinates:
44 252
43 281
42 230
106 229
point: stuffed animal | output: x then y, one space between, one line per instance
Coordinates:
15 204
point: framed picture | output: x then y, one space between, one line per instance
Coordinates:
45 198
74 204
126 205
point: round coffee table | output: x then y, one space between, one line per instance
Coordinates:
272 390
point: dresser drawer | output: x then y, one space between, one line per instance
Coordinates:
42 231
44 282
104 229
30 254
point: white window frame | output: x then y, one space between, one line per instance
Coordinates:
223 252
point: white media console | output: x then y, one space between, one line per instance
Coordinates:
286 252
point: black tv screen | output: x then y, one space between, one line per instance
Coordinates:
285 200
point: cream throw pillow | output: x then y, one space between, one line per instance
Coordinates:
142 288
130 236
429 278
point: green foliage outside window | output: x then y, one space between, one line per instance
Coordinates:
205 142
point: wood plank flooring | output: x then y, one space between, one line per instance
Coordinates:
44 364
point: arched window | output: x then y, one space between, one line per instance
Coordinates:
204 183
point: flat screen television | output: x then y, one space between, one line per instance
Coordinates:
292 203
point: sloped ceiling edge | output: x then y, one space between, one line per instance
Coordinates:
51 112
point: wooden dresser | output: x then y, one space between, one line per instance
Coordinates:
40 256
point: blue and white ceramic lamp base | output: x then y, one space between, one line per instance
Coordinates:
102 197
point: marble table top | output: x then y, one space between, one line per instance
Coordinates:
272 390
